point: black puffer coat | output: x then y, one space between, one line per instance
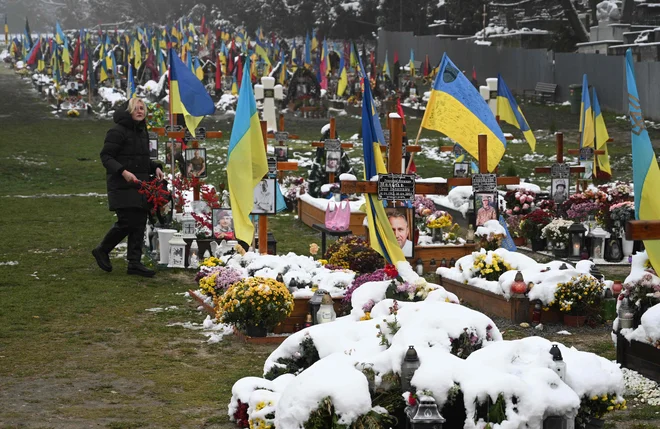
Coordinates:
126 147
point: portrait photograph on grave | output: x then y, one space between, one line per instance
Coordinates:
485 205
178 155
196 162
223 224
153 148
332 161
282 153
402 222
264 197
462 169
559 189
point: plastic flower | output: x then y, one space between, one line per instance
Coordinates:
313 249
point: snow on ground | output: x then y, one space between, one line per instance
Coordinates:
322 203
214 331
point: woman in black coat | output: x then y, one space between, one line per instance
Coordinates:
125 156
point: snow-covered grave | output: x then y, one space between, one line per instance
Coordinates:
350 369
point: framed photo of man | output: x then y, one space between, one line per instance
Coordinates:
264 197
486 207
559 190
195 162
282 153
462 169
332 158
177 151
223 224
153 148
402 222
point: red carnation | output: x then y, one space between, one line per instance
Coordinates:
390 271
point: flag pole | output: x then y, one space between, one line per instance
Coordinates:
412 155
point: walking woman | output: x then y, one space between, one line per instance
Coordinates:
125 156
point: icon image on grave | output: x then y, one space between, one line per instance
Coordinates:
196 162
153 145
264 197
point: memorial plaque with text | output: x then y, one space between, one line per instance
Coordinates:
332 145
281 136
484 183
272 164
396 187
173 128
269 93
560 171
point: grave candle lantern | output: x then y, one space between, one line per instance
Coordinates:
408 368
576 234
177 252
420 267
188 225
558 364
598 236
425 415
326 311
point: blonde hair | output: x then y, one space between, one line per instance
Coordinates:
132 104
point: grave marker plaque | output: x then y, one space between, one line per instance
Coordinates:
272 164
484 183
332 145
560 171
396 187
281 136
173 128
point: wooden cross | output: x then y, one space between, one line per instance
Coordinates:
179 132
281 137
369 187
397 154
643 230
560 160
333 133
263 219
596 153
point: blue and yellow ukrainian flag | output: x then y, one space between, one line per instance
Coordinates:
246 160
308 51
586 117
187 94
342 84
457 110
59 34
411 63
260 50
601 136
198 69
130 84
646 174
381 236
586 128
509 112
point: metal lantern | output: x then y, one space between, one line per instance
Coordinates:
408 368
177 252
598 236
626 314
315 303
326 311
424 415
558 364
555 422
576 235
193 257
188 225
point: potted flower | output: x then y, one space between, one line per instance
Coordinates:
578 297
437 222
256 305
531 227
620 214
519 202
490 235
643 293
556 232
